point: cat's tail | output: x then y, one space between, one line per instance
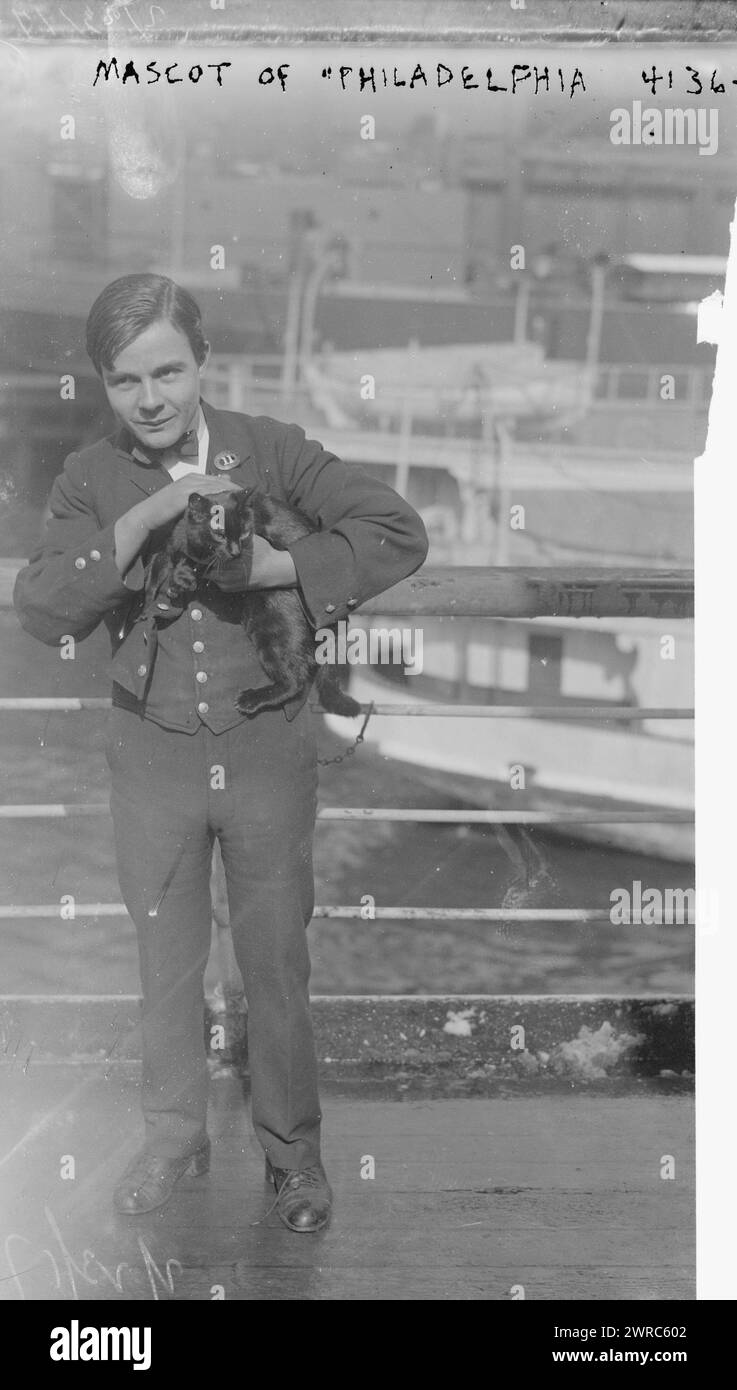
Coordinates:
330 695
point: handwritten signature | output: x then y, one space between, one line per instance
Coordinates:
25 19
63 1264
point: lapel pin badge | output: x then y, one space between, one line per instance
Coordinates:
225 461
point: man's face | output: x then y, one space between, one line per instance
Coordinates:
154 386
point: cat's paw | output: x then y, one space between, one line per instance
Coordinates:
183 579
248 702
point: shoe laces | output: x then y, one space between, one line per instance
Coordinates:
295 1178
145 1164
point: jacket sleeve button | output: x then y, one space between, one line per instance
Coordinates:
352 603
95 555
79 563
329 607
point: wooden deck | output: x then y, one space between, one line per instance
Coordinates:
559 1192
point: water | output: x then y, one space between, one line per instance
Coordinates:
58 757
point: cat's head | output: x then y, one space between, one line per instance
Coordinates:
216 527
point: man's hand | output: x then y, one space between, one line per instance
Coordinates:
171 501
270 568
133 528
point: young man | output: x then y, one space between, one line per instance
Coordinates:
186 767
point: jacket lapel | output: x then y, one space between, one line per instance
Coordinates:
149 477
227 435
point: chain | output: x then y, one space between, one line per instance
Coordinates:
348 752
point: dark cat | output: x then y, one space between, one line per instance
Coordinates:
274 619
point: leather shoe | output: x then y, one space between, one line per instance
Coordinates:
150 1178
303 1196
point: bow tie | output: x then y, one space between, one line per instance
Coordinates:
186 447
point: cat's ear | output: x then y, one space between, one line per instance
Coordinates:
243 508
197 506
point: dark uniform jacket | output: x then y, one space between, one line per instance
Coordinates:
185 667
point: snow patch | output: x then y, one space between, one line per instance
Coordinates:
527 1062
459 1022
592 1056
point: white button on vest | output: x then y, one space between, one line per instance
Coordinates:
196 614
203 707
80 564
198 646
201 677
95 555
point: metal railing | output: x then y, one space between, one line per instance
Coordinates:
234 381
461 592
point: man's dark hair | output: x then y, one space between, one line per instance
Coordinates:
128 306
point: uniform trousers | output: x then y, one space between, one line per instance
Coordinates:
254 787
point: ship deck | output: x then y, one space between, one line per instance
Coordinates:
559 1193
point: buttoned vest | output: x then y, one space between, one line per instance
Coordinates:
199 662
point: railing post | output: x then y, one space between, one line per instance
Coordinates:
501 446
235 385
404 446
